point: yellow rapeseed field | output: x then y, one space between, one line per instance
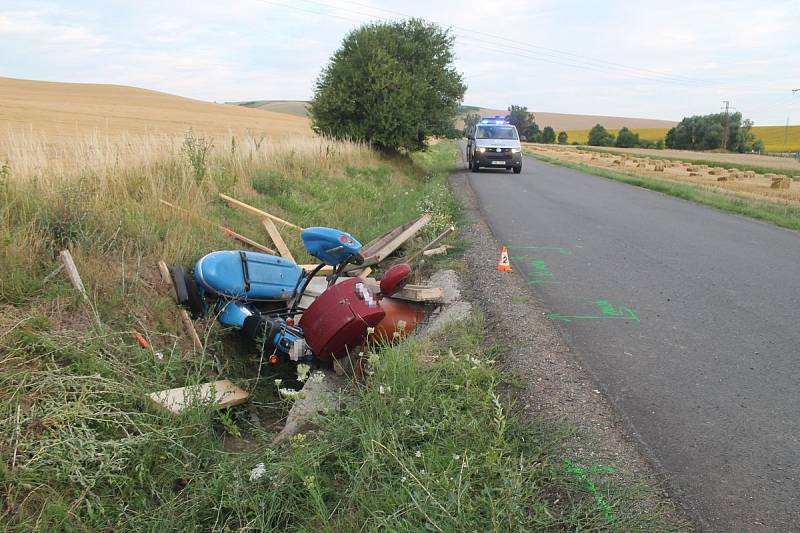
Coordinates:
773 136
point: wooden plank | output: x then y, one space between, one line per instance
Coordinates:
188 325
72 272
439 250
239 237
327 269
433 243
222 393
190 329
419 293
256 211
166 277
277 239
379 249
250 242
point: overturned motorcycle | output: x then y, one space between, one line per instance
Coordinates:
260 294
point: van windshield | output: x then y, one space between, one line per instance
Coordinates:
496 132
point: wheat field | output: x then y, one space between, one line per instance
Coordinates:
66 111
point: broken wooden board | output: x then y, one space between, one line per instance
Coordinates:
419 293
439 250
229 231
256 211
327 269
433 243
379 249
188 325
222 393
249 242
277 239
72 272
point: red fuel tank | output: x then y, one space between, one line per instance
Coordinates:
337 321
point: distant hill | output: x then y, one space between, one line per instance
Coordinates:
298 108
565 121
66 110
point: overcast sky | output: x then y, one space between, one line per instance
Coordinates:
645 59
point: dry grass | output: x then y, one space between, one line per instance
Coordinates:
752 160
65 111
745 184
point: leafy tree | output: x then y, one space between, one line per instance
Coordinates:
520 117
599 136
548 135
470 119
389 84
708 132
562 137
659 145
532 133
626 138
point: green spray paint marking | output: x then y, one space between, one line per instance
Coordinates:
582 475
608 310
543 282
561 250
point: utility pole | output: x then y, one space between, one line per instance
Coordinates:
726 127
786 133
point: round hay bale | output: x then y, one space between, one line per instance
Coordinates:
781 182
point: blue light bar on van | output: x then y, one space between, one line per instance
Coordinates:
497 119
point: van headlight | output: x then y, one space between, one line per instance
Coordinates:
480 149
516 150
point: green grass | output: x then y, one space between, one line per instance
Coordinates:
426 444
785 216
759 169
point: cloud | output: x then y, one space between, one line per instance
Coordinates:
614 58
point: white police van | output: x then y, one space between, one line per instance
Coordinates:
494 143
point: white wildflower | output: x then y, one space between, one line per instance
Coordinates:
257 472
278 382
407 412
370 331
456 457
316 377
289 394
403 479
418 454
302 371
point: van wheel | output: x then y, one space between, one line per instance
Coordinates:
475 167
518 169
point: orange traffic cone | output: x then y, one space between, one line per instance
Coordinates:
504 265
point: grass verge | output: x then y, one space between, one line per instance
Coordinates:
758 169
784 216
425 444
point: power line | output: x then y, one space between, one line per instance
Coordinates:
557 57
505 40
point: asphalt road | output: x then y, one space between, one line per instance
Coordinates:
689 320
